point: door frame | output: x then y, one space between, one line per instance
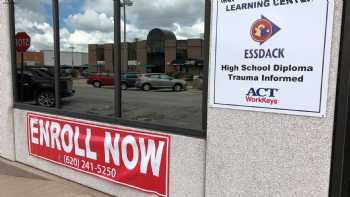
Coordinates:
341 123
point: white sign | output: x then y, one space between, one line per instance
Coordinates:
271 55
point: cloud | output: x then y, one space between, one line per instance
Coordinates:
102 6
193 31
145 15
164 13
80 39
91 21
29 19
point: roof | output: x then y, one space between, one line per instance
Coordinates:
160 35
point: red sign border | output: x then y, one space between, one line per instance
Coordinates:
136 131
30 42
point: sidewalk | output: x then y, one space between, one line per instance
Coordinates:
17 180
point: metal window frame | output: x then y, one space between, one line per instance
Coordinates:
341 136
57 52
13 48
117 61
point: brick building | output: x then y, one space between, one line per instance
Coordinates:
30 58
101 57
161 52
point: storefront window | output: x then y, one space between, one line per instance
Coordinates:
161 57
169 45
35 80
86 42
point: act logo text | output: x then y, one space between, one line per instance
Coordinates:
262 96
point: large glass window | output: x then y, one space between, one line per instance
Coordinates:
86 42
35 81
159 59
169 41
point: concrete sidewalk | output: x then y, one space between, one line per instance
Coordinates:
18 180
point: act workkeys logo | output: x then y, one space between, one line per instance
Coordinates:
263 29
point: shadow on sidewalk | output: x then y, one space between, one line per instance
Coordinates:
6 169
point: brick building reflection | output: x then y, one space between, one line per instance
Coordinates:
161 52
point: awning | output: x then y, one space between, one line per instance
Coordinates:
187 62
147 65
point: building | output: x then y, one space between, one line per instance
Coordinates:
46 58
161 52
75 59
30 58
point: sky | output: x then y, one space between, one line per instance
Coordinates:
84 22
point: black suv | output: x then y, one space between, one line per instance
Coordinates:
39 86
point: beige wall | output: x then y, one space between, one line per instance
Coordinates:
255 154
6 110
186 165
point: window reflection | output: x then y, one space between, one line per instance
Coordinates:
167 55
162 53
86 40
35 79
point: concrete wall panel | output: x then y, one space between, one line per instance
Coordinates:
6 112
253 154
186 166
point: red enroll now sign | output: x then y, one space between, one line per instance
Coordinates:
128 157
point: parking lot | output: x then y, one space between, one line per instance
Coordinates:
164 107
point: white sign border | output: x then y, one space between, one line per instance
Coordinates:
325 69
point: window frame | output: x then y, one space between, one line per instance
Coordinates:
341 140
117 119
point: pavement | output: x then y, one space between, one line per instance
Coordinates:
17 180
165 107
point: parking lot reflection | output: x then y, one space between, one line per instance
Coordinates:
162 106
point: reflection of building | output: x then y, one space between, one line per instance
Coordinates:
30 58
46 58
161 52
101 57
67 58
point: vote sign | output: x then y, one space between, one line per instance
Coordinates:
22 42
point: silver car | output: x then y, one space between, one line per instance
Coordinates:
150 81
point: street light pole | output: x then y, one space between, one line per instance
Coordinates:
72 47
125 48
124 7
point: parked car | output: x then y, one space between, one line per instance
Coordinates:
101 79
150 81
39 86
127 80
86 74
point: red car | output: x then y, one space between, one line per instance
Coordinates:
101 79
127 80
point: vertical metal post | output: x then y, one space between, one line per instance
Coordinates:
125 45
206 63
124 7
22 79
72 47
13 48
56 35
340 162
117 59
